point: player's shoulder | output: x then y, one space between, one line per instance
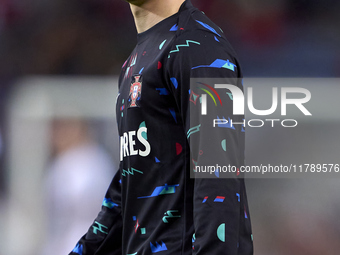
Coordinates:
198 22
195 27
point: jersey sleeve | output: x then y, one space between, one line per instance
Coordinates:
196 61
105 234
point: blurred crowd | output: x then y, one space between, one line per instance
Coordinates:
75 183
94 37
63 37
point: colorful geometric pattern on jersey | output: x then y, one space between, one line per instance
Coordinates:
152 205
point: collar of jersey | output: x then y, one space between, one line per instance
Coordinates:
165 24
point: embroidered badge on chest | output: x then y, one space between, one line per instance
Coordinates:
135 91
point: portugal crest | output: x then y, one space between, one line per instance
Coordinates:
135 91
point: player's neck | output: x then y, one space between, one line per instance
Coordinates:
151 12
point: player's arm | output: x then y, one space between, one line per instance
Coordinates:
105 234
194 59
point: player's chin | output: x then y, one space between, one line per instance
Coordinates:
136 2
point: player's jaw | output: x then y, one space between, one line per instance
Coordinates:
137 2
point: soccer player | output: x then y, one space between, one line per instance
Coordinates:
167 109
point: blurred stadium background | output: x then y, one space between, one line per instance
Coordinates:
59 62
